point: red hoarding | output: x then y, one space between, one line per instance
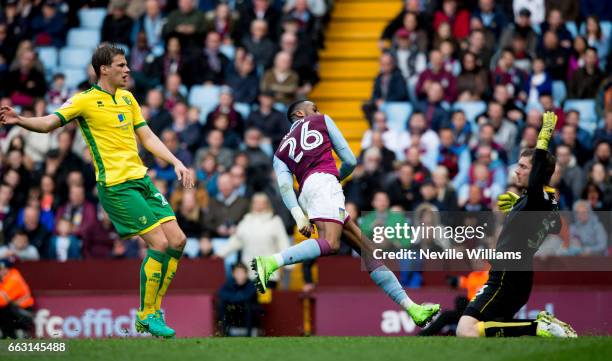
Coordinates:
368 313
95 316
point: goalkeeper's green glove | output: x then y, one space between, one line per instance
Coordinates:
506 201
549 120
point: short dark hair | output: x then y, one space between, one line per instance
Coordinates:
19 232
294 107
239 265
103 55
488 125
457 111
591 48
551 162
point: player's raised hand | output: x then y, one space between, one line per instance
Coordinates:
549 121
8 116
184 175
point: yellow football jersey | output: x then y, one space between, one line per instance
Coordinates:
108 123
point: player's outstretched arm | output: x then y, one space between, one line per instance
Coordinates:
8 116
152 143
537 178
284 177
341 148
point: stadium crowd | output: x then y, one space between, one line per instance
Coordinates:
254 58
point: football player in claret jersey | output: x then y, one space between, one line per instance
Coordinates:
110 120
306 152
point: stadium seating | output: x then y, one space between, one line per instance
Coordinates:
572 28
48 56
586 108
349 63
232 258
244 109
606 27
75 57
205 97
398 114
280 107
83 38
471 109
228 50
73 76
559 91
92 18
533 105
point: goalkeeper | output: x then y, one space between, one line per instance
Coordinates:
530 218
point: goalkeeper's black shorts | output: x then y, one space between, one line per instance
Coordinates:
502 296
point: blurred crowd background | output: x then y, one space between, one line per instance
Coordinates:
213 79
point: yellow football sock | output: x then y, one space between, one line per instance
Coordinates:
508 329
172 256
150 281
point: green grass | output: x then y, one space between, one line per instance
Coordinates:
330 348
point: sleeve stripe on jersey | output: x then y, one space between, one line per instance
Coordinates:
140 125
63 120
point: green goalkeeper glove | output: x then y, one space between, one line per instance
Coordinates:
549 120
506 201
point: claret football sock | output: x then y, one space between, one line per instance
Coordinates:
304 251
150 281
169 270
508 329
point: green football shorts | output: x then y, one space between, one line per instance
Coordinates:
135 207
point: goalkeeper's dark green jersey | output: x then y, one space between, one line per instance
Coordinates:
533 217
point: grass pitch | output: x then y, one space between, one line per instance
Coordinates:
328 348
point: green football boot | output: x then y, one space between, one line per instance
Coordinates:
141 326
263 266
550 326
160 315
155 325
423 313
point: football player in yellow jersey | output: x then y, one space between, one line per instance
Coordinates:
110 119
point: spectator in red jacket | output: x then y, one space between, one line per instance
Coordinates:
26 82
436 74
507 74
459 19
